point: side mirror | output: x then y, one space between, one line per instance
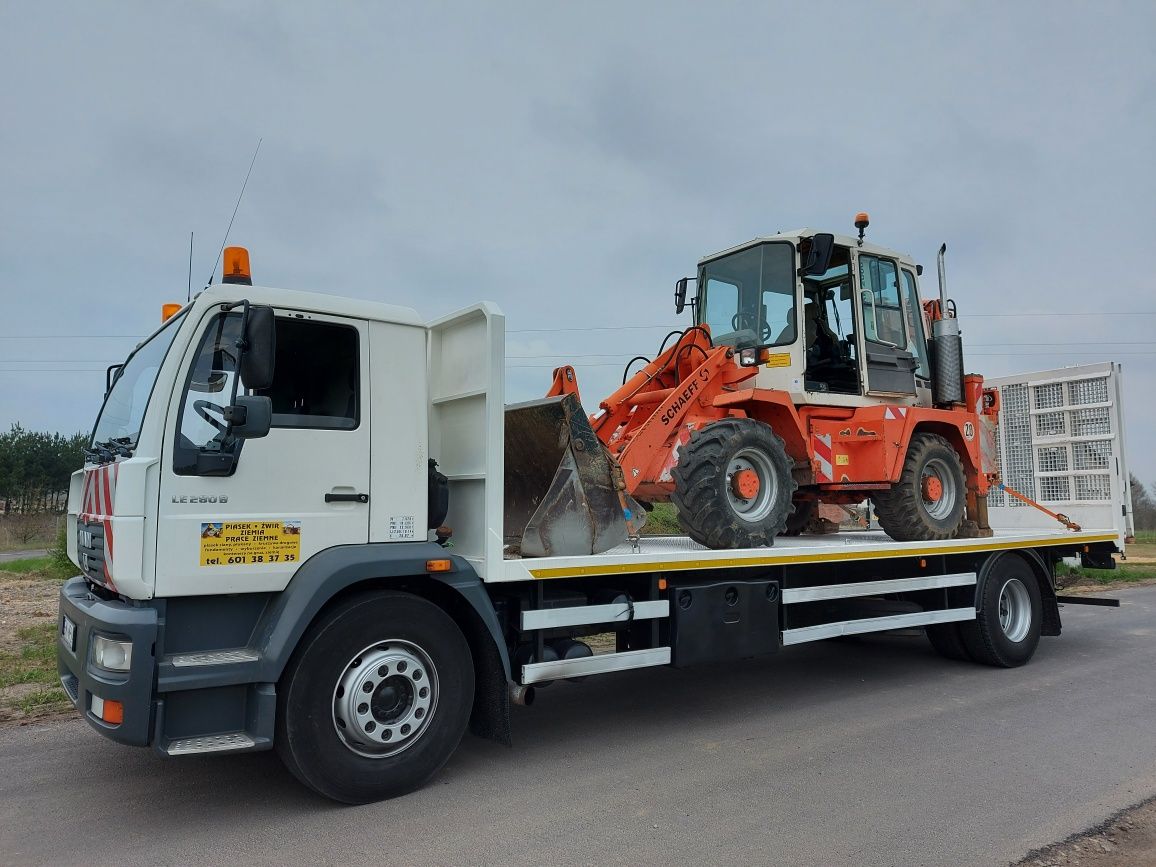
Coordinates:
819 256
250 417
260 348
680 293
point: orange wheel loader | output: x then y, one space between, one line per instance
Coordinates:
813 373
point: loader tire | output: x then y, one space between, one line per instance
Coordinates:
927 503
802 514
733 485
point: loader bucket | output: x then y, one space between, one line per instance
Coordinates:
564 492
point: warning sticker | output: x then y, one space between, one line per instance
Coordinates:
779 359
243 543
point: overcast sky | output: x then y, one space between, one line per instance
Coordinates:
569 162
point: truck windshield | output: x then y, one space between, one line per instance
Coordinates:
749 297
123 412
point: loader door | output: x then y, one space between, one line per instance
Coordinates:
890 367
832 351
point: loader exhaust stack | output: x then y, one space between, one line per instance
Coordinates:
946 347
565 494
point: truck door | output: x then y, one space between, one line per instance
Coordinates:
302 488
890 368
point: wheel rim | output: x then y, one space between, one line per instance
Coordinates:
385 698
1015 610
760 504
938 488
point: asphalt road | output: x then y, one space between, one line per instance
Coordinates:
21 555
867 752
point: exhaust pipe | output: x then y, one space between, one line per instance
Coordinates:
946 346
521 695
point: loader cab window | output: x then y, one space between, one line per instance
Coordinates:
916 336
879 293
829 329
748 297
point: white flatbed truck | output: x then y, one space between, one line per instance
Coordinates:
262 565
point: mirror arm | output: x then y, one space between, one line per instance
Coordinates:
242 344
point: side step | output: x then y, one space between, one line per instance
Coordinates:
231 742
585 615
875 624
539 671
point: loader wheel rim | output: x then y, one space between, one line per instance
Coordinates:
1015 610
385 698
763 488
937 487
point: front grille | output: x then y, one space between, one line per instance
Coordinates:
90 550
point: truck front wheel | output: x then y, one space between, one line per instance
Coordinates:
375 699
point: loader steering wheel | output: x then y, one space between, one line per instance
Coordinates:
747 321
201 407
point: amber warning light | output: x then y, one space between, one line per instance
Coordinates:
168 311
236 268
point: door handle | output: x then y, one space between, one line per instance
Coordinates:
347 498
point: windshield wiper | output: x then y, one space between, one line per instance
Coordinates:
111 449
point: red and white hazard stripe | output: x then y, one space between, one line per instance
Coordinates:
821 444
895 413
96 506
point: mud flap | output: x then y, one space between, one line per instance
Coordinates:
565 493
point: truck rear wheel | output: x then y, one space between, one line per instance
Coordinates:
733 484
928 501
1007 627
375 699
947 641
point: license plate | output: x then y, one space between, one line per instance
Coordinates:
68 632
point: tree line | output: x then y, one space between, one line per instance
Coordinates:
1143 505
35 467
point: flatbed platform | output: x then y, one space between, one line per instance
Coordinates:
679 553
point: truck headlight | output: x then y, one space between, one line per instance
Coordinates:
115 654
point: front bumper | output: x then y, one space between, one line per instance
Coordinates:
82 679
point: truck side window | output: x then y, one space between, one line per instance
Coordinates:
315 382
209 388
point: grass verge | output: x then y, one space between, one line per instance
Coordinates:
1124 573
46 568
662 521
29 686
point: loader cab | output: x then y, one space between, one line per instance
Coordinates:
747 297
855 329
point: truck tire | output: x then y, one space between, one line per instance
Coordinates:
928 501
1007 627
733 484
947 641
409 662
